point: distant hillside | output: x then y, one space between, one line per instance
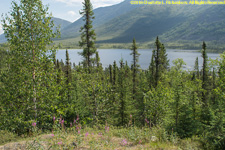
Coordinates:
102 15
170 22
60 22
207 24
57 22
120 23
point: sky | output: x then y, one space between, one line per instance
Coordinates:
64 9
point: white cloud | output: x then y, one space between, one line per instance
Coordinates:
72 13
95 3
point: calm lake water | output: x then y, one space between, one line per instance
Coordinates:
107 56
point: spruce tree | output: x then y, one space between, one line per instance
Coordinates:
110 74
122 93
97 59
114 81
204 74
213 86
68 76
88 36
159 63
152 71
135 66
197 68
164 62
207 113
114 73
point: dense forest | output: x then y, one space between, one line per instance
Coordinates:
36 89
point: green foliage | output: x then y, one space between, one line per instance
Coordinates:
156 104
135 67
167 102
88 35
214 134
204 75
196 69
159 63
30 76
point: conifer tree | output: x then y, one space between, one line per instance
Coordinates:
110 74
213 86
152 71
135 66
68 76
127 70
97 59
204 74
159 63
114 73
88 35
164 62
122 93
197 68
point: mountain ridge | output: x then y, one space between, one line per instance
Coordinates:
145 22
122 22
100 18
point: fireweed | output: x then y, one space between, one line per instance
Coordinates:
124 142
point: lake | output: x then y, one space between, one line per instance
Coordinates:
107 56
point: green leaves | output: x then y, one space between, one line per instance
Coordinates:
30 79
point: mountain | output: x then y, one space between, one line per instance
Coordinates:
120 23
60 22
149 21
57 21
102 15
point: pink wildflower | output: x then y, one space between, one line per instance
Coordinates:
140 142
78 127
34 124
86 134
106 128
59 143
52 135
124 142
100 134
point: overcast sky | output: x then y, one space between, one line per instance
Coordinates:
64 9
